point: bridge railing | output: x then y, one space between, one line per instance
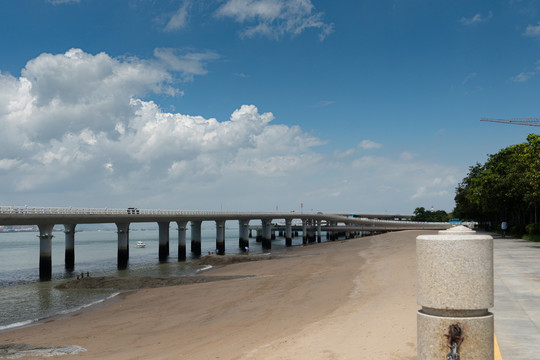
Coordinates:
31 210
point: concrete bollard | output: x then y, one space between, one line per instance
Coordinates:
454 286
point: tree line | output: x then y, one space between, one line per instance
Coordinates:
505 188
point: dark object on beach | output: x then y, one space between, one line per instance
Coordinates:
142 282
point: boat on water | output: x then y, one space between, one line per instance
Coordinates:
140 244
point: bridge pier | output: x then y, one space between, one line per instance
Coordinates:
267 234
288 232
196 237
123 245
319 234
304 232
45 251
163 240
311 231
69 255
181 240
220 237
245 234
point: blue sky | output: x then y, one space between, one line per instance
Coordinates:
364 106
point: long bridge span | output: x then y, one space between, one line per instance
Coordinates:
311 223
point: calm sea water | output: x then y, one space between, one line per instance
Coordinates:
23 298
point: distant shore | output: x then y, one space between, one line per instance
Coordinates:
349 299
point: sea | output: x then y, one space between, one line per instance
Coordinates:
24 299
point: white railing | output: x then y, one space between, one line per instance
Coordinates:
31 210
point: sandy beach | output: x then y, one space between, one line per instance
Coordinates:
352 299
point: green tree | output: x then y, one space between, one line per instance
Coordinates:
420 214
506 187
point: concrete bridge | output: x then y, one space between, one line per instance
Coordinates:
47 218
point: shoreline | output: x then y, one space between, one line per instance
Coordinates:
126 285
294 298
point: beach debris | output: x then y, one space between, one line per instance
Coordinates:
17 351
142 282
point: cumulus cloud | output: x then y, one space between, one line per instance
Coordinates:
80 129
75 120
476 19
275 18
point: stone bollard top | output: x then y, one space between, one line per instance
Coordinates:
454 271
457 230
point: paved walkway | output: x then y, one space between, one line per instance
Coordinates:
517 298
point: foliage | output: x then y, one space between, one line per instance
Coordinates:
534 238
505 188
533 229
420 214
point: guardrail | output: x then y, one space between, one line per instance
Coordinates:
28 210
31 210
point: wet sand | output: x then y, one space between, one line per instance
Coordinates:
351 299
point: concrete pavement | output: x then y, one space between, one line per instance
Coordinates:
517 298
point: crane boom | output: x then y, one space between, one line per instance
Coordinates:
519 121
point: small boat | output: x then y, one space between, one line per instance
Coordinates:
140 244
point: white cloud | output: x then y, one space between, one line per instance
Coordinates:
179 19
344 154
61 2
77 121
187 63
323 103
476 19
77 131
533 30
522 77
275 18
469 77
368 145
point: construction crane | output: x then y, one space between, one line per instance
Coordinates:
520 121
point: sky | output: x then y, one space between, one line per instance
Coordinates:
259 105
